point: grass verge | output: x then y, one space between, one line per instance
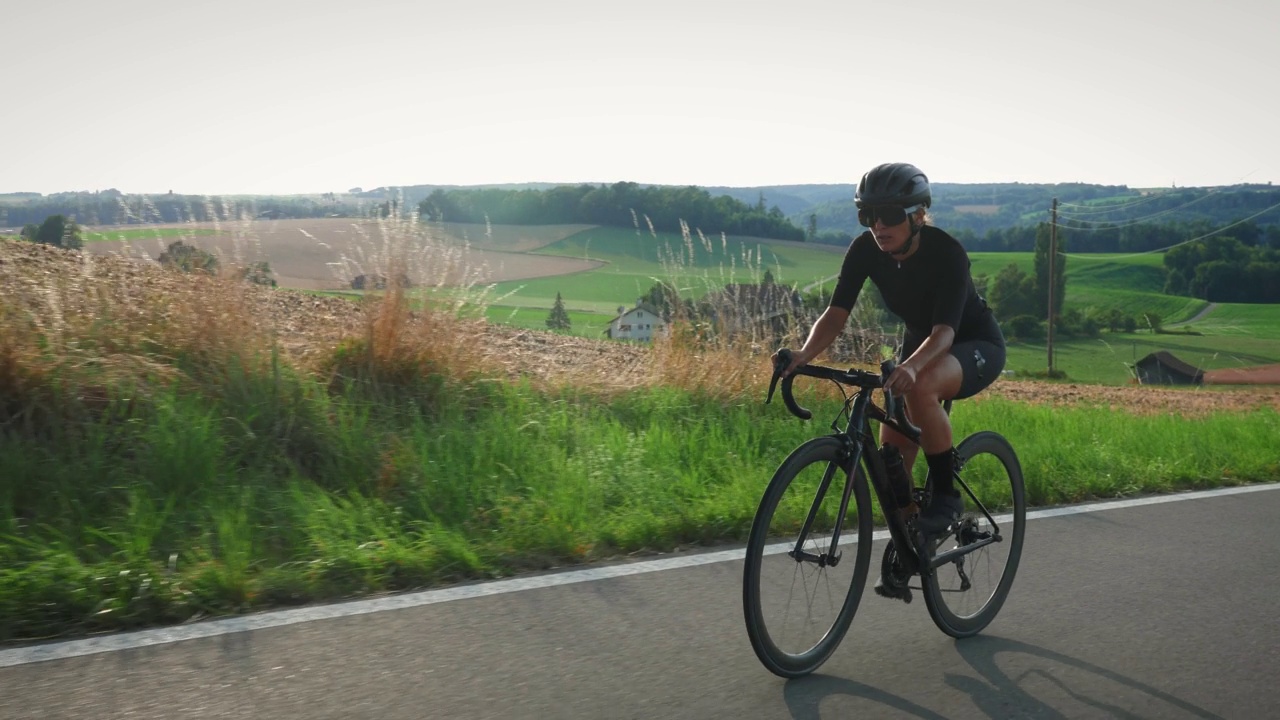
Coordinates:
162 459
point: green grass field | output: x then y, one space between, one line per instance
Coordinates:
1106 360
635 262
265 490
144 234
585 324
1231 335
1130 283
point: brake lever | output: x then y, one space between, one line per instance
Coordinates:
779 365
894 407
890 400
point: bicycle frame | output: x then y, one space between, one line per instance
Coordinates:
859 442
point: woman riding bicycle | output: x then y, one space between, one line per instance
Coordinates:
953 347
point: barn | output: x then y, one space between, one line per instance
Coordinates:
1162 368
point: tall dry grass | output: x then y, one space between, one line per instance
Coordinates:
727 355
78 332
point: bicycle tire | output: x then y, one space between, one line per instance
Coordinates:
775 530
993 473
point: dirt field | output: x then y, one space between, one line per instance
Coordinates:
1261 374
1139 399
326 253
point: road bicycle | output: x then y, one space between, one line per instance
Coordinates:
800 591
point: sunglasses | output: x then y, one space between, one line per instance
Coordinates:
890 215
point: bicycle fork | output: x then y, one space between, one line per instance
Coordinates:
908 550
831 557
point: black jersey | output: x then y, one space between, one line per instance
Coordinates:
932 287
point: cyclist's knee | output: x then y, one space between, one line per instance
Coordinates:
940 381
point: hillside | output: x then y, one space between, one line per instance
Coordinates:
307 327
41 283
961 208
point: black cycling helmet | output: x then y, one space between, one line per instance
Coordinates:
900 184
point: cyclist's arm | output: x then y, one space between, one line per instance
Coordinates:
824 332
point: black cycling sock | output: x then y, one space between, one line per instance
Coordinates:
941 467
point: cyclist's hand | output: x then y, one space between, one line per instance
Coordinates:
902 380
797 359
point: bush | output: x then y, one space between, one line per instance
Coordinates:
56 230
259 273
188 258
1077 324
1024 327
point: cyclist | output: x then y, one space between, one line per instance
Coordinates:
952 348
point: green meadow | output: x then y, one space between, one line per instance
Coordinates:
144 234
635 261
1227 335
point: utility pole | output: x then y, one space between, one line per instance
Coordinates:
1053 256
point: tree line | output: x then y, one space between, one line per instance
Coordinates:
979 209
623 204
1224 269
112 207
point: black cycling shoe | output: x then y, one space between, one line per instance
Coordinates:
889 588
893 579
943 510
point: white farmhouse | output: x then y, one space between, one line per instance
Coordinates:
640 323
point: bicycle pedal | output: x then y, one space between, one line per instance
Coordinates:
892 592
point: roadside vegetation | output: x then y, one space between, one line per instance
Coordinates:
163 457
167 453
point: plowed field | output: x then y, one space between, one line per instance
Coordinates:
326 253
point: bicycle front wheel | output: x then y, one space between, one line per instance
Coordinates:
964 595
801 590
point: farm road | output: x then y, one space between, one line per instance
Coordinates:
1204 312
1152 611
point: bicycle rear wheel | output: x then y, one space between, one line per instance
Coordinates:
963 596
799 608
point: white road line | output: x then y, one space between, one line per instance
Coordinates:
262 621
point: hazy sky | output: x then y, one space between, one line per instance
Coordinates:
291 97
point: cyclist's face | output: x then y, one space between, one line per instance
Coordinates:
891 238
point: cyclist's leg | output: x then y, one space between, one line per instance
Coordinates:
969 367
939 380
888 436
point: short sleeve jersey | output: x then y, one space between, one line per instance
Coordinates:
932 287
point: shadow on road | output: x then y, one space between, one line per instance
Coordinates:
1030 682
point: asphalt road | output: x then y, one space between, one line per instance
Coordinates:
1158 611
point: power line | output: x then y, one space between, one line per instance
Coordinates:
1103 209
1139 220
1109 257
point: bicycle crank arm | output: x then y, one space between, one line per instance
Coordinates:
957 553
819 560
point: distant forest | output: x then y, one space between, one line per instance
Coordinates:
112 207
657 208
986 217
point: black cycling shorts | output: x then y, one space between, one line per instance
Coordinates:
981 361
